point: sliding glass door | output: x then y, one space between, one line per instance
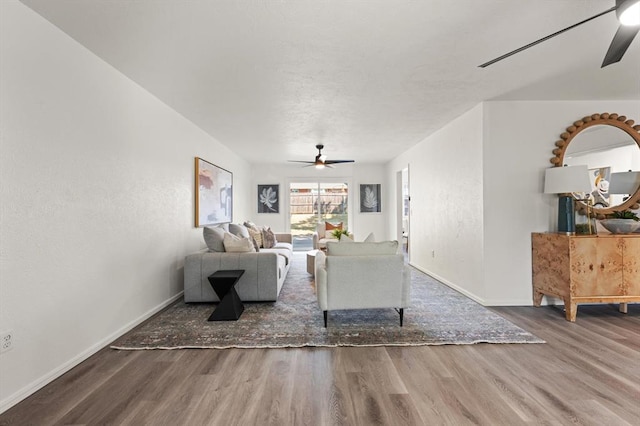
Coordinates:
313 202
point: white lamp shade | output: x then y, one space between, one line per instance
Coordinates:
624 183
563 180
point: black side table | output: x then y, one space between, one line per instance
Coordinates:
230 307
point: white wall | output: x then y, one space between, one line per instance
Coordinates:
446 186
97 201
361 224
476 193
518 141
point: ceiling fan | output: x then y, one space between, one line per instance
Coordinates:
628 13
321 160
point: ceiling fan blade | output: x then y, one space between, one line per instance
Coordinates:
312 164
338 161
520 49
619 45
321 160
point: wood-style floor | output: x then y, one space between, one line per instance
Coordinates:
588 373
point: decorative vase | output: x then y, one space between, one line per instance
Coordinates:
621 226
585 225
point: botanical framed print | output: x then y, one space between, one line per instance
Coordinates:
214 194
269 198
370 198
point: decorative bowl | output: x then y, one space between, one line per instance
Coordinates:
621 226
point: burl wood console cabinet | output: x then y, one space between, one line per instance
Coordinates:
586 269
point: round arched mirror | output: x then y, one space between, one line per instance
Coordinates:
606 144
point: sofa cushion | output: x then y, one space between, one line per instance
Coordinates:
243 232
362 249
346 239
330 226
233 244
214 237
256 246
282 266
256 233
286 254
268 238
284 245
239 230
250 224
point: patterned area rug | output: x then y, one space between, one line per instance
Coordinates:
438 316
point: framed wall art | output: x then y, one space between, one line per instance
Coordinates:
370 198
269 198
214 194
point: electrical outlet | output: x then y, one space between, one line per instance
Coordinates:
6 341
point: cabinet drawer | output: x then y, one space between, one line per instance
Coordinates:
631 266
596 266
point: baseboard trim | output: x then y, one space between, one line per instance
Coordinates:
450 284
38 384
474 297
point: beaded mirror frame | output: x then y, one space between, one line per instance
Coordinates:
615 120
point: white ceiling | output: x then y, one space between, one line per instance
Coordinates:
368 79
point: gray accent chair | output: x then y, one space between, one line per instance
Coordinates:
362 276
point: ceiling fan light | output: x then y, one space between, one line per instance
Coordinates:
319 166
628 12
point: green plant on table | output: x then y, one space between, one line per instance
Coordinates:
624 214
338 233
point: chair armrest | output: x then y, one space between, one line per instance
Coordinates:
321 280
406 286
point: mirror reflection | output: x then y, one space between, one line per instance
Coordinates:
605 150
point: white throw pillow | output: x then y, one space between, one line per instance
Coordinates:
370 238
239 230
345 239
214 236
233 244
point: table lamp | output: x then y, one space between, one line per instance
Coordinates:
564 181
624 183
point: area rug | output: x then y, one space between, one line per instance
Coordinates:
438 315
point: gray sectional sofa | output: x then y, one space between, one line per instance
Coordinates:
265 271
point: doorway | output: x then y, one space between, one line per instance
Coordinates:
403 211
313 202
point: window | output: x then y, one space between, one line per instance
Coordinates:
314 202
